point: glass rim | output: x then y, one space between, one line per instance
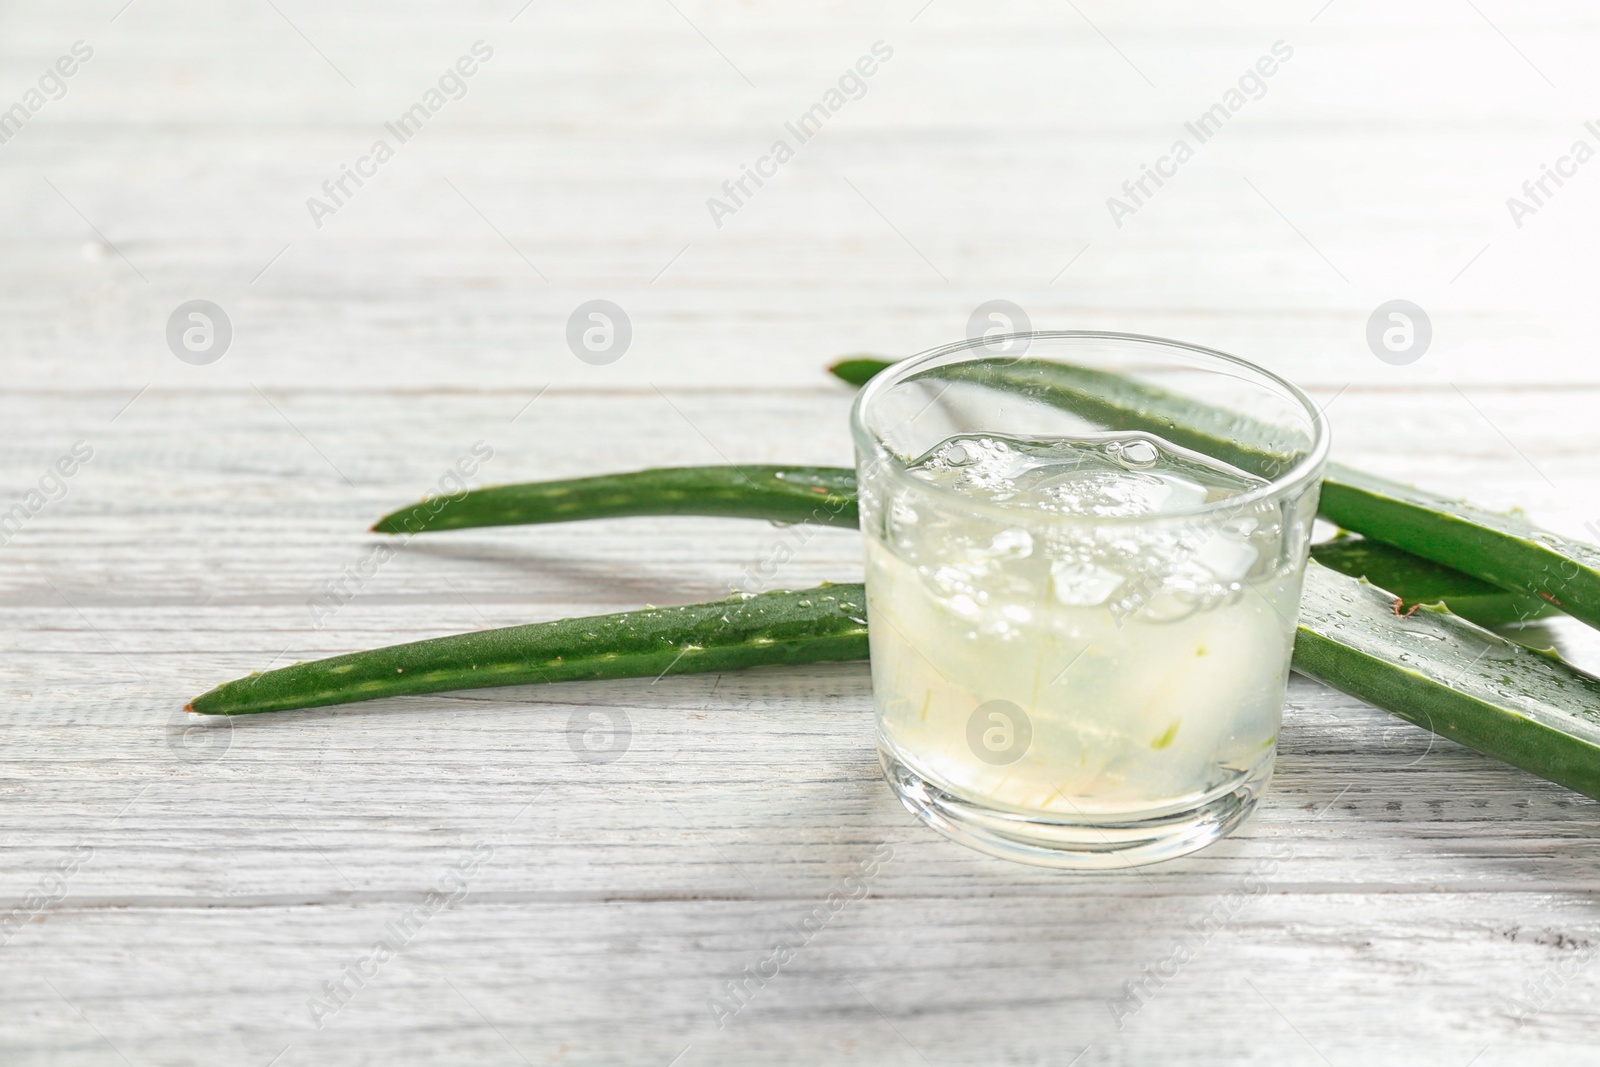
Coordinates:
868 443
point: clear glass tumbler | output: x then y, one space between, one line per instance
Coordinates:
1083 562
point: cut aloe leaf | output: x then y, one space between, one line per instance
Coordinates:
1447 675
821 495
1112 399
1431 668
1504 550
827 496
857 370
825 623
1420 581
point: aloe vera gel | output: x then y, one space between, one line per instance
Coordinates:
1080 633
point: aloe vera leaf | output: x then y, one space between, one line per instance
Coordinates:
827 496
1504 550
822 495
1114 399
815 625
1449 676
857 370
1431 668
1420 581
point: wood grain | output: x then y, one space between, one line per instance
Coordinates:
1396 899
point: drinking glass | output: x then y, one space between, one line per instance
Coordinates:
1084 557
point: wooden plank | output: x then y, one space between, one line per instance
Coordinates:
1396 899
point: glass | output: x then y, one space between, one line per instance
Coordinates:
1084 555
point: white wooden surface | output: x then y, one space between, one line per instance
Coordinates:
1388 902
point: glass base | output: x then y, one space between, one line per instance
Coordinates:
1073 843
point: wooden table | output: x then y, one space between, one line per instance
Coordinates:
215 896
